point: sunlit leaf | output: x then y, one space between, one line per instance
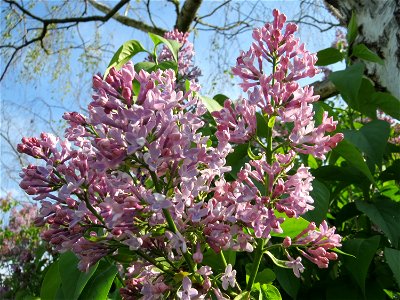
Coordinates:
128 50
100 283
329 56
73 281
51 283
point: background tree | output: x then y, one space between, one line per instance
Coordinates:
378 27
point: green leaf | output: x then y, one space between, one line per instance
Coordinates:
391 172
271 122
341 252
329 56
147 66
319 109
341 289
270 292
387 103
364 250
365 103
371 139
72 280
211 104
237 158
362 51
167 64
124 54
386 214
262 126
100 283
352 29
335 173
172 45
353 156
348 83
392 294
288 281
291 226
210 258
393 259
220 98
136 87
264 276
51 283
321 196
230 257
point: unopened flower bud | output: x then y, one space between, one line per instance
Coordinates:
198 256
287 242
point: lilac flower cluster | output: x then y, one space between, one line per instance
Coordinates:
280 98
138 174
186 69
277 93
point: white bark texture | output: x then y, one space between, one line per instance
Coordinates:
379 29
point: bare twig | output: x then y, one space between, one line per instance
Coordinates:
128 21
176 4
47 22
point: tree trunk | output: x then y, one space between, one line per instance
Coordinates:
379 29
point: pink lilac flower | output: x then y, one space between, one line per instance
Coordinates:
296 265
198 255
229 277
318 242
187 291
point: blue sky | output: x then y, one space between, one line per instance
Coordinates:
38 95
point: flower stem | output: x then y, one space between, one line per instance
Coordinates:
223 260
172 227
256 263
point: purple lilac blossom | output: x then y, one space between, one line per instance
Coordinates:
140 154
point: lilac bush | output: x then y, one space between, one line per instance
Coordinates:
141 178
23 256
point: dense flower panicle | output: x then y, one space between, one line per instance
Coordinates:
186 68
279 94
153 134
